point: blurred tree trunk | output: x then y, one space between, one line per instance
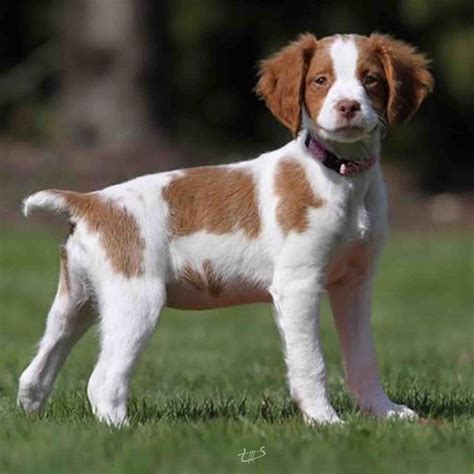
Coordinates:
103 98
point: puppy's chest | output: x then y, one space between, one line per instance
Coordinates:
356 224
350 252
349 214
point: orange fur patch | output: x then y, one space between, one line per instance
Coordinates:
295 196
205 280
218 200
214 282
192 277
119 231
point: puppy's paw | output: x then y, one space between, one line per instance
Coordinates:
401 411
113 416
322 417
113 420
31 398
390 410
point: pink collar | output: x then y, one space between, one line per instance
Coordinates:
331 161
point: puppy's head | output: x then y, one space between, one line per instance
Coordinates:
349 85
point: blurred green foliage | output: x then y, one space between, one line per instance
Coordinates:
202 69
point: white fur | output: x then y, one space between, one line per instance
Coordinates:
44 200
337 254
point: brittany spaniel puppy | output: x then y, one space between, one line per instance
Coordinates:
286 227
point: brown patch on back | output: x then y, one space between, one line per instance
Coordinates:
295 196
205 280
118 229
218 200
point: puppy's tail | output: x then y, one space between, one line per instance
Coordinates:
55 200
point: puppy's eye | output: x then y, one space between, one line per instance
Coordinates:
321 80
370 80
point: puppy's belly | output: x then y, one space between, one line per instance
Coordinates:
348 264
181 296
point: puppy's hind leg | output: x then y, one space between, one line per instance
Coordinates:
129 313
68 319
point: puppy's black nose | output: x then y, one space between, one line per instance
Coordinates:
348 108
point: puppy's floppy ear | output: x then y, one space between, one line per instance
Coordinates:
282 79
408 77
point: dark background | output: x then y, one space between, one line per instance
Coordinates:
169 83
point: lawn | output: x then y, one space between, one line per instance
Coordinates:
212 383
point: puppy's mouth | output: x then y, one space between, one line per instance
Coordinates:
346 133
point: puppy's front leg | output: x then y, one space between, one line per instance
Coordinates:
350 303
296 306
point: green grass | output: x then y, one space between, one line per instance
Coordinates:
212 383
